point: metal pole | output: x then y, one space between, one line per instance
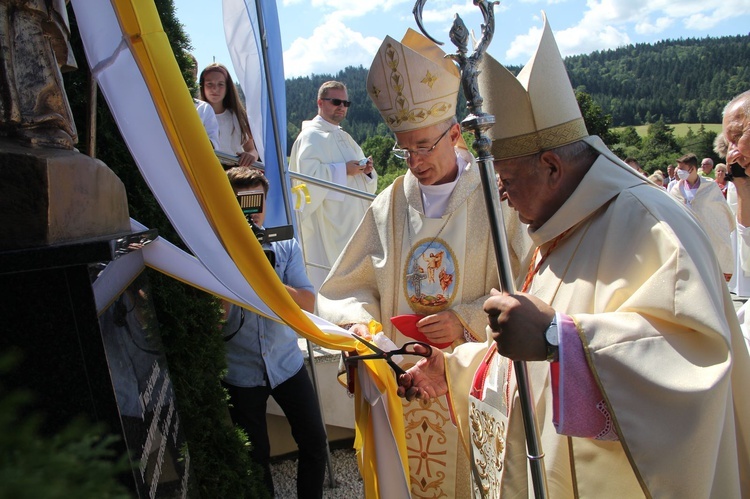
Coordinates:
280 155
91 149
331 186
314 376
479 122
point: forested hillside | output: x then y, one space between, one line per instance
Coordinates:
686 80
678 80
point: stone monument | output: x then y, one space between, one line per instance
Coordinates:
77 304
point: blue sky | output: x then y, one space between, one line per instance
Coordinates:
325 36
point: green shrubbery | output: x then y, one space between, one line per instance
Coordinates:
78 461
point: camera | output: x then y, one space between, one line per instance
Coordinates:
253 202
735 171
363 162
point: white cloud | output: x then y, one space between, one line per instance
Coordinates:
649 28
352 29
724 13
606 24
443 17
693 14
343 9
323 52
571 41
524 45
446 14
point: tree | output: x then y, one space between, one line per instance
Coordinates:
629 137
379 147
79 461
597 123
701 144
660 147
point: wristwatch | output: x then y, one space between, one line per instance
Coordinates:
552 340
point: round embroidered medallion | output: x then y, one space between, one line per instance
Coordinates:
431 276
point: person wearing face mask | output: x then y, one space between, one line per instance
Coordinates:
704 199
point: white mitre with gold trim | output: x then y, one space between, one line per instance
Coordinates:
412 84
536 111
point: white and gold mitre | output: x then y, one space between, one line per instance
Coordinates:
412 84
536 111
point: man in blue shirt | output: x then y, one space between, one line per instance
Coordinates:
264 360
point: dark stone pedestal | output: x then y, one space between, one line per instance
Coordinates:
93 349
51 196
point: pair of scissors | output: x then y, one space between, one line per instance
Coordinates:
406 349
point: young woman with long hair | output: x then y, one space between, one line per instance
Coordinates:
235 136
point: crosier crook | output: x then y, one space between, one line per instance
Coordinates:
478 122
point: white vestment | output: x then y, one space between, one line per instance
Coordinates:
636 274
714 215
322 150
401 262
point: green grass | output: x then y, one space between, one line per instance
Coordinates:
680 129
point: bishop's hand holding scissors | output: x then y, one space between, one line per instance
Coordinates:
416 348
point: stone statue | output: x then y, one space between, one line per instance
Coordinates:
50 194
34 50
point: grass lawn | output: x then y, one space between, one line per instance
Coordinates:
680 129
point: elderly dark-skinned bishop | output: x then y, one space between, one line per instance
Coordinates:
636 361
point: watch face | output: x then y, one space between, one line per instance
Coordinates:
551 335
552 340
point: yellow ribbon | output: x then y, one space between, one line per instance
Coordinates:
153 55
375 327
364 441
300 190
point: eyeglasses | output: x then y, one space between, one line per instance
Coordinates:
338 102
420 151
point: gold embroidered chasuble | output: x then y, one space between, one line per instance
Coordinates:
661 338
400 262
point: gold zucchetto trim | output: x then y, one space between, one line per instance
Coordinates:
543 140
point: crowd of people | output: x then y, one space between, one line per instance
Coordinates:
623 313
710 192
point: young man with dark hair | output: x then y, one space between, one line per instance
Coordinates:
703 197
264 360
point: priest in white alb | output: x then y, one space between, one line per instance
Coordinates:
325 151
